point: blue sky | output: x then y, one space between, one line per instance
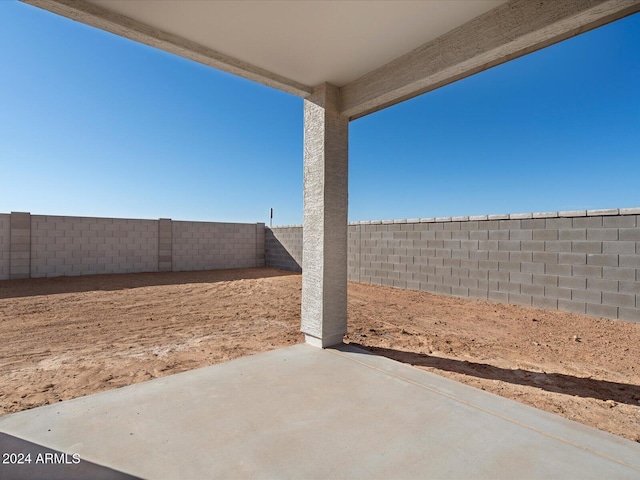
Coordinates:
92 124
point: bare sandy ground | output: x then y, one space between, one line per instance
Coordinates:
66 337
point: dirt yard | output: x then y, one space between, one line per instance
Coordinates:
71 336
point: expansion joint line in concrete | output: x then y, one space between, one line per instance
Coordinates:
469 404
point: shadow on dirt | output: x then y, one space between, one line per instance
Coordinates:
89 283
551 382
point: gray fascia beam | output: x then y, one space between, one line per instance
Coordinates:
508 31
96 16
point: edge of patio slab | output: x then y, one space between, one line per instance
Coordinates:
303 412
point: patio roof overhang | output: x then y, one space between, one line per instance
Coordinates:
347 59
377 53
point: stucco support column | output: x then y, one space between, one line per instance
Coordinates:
324 247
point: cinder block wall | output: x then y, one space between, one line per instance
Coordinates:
50 246
87 246
4 246
19 245
260 244
283 248
206 245
579 261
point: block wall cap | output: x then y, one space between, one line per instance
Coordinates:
572 213
630 211
545 215
285 226
603 212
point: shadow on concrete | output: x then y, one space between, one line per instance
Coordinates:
88 283
551 382
23 460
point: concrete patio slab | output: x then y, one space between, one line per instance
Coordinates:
303 412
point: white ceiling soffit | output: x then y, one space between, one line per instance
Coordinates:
296 43
334 41
379 51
